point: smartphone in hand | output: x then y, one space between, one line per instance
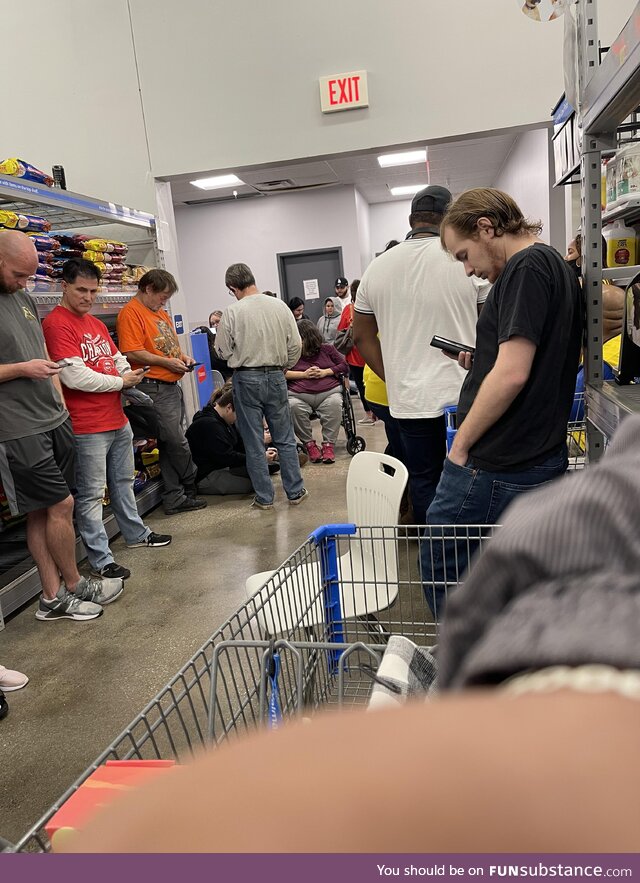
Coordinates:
191 367
64 363
451 346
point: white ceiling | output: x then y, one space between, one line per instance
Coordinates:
457 165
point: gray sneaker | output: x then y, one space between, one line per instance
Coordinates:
100 591
67 605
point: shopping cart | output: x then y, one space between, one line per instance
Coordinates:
312 636
576 432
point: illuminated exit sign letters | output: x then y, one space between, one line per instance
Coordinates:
344 91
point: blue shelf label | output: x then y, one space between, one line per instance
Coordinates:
178 323
562 112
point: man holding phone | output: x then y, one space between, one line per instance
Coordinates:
147 337
37 458
93 374
408 294
517 397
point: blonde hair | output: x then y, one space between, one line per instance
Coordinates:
486 202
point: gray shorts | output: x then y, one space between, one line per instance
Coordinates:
38 471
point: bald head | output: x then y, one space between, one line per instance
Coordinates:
18 260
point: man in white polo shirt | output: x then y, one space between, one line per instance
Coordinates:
407 295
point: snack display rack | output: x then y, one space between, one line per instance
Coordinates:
65 211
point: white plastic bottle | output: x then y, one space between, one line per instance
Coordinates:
621 244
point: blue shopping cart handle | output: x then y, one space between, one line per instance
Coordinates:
331 530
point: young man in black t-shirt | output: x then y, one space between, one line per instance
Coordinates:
516 400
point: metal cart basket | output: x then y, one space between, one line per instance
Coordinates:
312 636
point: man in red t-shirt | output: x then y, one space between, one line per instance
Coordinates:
93 378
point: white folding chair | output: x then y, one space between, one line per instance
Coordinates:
367 572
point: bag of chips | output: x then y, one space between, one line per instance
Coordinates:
18 168
25 223
45 243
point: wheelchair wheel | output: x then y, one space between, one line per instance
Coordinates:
355 444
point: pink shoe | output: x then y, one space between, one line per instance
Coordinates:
12 680
314 452
328 454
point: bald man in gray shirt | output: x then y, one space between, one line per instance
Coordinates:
259 338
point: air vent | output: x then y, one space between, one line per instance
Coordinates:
297 188
215 199
281 184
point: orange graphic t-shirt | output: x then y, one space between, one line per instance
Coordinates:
139 328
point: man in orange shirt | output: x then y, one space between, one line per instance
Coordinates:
147 338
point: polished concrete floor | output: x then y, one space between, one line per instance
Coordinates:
88 680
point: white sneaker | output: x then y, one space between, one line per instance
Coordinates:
12 680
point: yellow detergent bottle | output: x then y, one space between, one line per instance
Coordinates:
621 244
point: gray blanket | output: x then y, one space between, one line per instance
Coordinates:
560 583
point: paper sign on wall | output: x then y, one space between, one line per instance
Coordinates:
311 289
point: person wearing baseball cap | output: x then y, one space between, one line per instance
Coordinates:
342 292
407 295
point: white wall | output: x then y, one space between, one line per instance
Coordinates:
525 176
389 220
226 85
230 85
70 97
234 85
254 231
364 231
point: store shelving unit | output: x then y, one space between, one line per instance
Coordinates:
608 94
66 210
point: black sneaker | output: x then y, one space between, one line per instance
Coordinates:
4 706
297 500
113 571
189 504
153 540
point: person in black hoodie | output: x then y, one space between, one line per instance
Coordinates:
217 449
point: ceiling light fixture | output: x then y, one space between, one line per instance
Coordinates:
407 158
406 190
217 182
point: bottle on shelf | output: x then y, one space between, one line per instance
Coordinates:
628 173
59 179
621 244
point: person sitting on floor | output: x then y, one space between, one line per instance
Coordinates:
315 383
217 449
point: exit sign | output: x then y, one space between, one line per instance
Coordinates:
344 92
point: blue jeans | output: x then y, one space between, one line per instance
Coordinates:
392 431
106 458
424 441
263 394
469 496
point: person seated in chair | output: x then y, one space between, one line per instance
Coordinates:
315 387
217 449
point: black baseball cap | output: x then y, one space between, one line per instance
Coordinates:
341 282
431 199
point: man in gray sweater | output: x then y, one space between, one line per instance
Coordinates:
259 338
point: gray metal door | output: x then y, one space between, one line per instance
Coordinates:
295 268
